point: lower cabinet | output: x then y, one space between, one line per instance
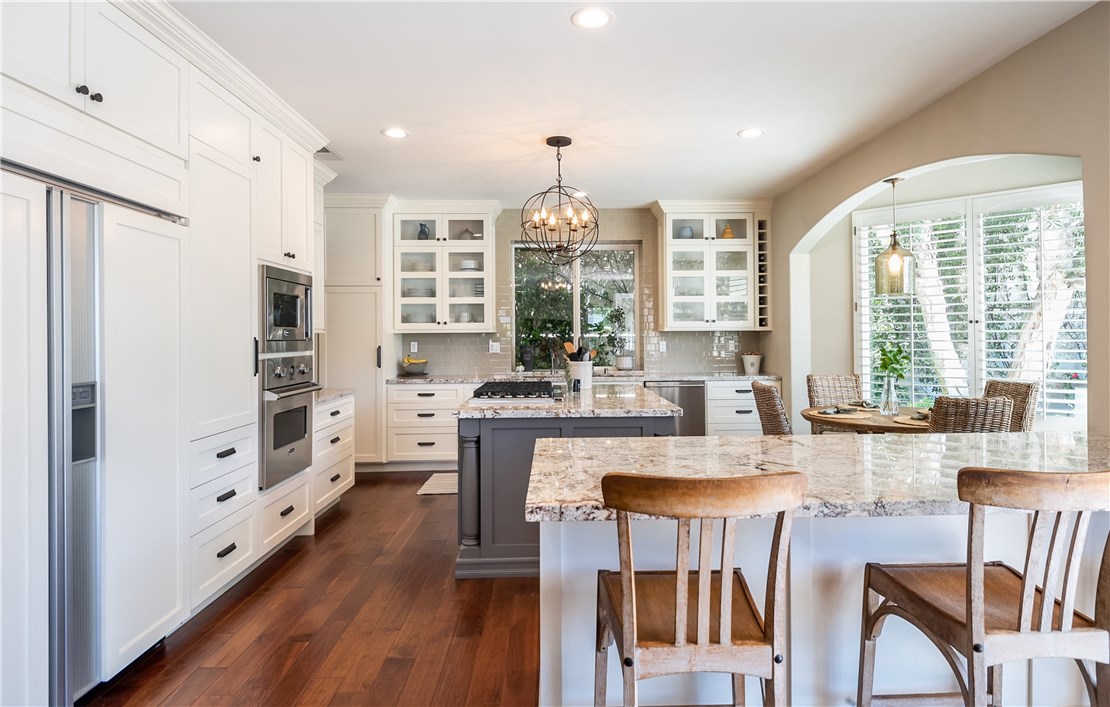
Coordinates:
421 426
284 508
730 409
223 550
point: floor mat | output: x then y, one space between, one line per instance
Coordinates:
440 484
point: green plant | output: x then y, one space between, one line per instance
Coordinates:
893 360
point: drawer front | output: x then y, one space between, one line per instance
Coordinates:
419 417
427 446
285 513
332 480
333 412
219 498
330 440
433 395
212 457
222 551
740 412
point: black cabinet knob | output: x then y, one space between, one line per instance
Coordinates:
257 158
83 90
97 97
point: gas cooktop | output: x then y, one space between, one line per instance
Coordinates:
514 392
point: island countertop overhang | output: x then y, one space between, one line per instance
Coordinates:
599 400
849 475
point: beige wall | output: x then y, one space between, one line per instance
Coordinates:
1051 97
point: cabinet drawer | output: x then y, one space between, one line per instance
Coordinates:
222 551
331 439
417 417
741 412
332 479
214 456
435 395
221 497
726 390
284 513
427 446
333 412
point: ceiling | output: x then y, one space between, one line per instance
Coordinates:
653 102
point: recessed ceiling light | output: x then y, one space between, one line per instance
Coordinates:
750 132
395 133
591 17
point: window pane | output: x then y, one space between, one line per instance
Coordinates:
544 315
608 302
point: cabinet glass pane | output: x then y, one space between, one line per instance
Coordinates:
413 313
466 287
731 227
732 286
467 313
418 262
732 261
459 229
688 311
689 286
418 288
417 229
687 228
732 311
688 261
466 262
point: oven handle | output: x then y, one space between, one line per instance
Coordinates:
270 396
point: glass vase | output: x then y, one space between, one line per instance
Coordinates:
888 403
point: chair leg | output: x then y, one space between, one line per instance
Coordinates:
631 697
866 685
977 679
739 697
774 688
1102 684
994 684
601 658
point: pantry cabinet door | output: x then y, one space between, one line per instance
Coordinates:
296 191
43 47
142 83
143 533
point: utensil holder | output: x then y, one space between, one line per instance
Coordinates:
582 371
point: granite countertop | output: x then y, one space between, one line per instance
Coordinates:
849 475
599 400
558 377
444 378
330 395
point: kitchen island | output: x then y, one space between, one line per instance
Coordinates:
871 498
495 457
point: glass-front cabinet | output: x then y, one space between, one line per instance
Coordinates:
443 272
714 265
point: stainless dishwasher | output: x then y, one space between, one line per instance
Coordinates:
688 395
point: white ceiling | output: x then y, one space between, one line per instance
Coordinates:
653 102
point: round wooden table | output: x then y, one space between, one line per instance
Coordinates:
873 422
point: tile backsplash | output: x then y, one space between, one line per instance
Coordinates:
686 352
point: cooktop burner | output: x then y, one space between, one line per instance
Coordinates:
532 391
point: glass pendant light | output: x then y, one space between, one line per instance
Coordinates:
894 266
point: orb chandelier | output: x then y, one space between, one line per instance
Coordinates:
560 222
894 266
555 282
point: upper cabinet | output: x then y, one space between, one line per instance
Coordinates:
714 269
283 199
444 270
96 59
321 176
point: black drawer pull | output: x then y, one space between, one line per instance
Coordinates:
335 439
333 413
225 552
425 395
226 453
226 495
741 390
335 478
425 414
425 444
287 511
743 412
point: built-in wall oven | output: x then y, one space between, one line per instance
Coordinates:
286 419
286 310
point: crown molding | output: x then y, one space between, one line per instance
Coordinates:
322 174
441 206
171 27
351 201
678 206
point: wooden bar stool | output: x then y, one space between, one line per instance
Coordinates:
991 613
772 413
649 615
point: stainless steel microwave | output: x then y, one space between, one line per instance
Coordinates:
286 310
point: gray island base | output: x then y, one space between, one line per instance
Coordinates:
495 460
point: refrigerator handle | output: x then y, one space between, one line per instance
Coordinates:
379 357
256 357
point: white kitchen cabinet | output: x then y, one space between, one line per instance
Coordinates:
713 258
283 509
333 451
93 57
730 408
219 119
220 357
143 529
421 426
355 241
353 359
321 176
282 200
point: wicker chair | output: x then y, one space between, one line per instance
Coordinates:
825 390
971 414
1024 394
772 413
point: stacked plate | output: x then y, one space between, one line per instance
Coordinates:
468 265
480 289
418 266
418 292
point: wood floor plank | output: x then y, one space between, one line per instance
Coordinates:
365 612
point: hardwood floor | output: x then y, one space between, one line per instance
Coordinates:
366 612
